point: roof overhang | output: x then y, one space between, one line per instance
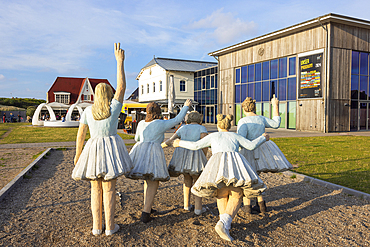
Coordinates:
294 29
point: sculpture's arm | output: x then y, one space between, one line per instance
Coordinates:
121 79
205 150
169 141
81 135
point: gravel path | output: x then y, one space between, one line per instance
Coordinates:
51 209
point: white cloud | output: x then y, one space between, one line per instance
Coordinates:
2 77
224 27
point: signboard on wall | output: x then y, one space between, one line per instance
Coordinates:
310 76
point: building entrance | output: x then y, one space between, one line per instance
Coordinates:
360 115
210 114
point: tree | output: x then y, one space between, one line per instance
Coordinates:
30 111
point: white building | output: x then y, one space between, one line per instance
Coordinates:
154 79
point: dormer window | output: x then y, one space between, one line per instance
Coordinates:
62 97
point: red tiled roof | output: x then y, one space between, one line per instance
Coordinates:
73 86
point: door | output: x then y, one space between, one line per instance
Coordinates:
210 114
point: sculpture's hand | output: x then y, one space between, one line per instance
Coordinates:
163 145
274 101
267 136
118 52
76 159
188 102
176 143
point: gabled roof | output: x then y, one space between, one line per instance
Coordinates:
171 64
293 29
73 86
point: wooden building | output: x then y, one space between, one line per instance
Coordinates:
318 69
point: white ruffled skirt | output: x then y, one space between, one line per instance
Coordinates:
228 169
103 157
149 162
267 158
187 161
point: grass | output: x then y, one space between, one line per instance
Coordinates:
37 155
20 133
343 160
4 127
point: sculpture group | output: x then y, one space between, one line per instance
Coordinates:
229 175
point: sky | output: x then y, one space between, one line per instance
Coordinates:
41 40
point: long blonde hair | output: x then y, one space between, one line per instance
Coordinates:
103 97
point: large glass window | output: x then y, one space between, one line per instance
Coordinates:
263 80
274 69
265 70
292 65
237 76
208 82
360 87
251 73
244 74
205 92
283 67
237 93
258 73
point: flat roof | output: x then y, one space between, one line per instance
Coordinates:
292 29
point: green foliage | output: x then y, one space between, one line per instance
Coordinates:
21 102
30 111
343 160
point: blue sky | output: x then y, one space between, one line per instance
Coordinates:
41 40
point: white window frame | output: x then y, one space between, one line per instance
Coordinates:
183 85
62 97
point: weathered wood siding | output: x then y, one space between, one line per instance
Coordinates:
310 114
339 90
350 37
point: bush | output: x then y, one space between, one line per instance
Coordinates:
30 111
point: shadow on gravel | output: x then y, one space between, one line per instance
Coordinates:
286 206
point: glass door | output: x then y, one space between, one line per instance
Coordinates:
210 114
363 116
360 115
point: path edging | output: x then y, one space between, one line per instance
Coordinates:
7 188
346 190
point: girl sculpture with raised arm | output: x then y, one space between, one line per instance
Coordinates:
147 154
267 157
105 156
188 162
227 175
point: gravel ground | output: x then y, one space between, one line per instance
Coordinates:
13 161
51 209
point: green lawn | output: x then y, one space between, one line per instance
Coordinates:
25 133
343 160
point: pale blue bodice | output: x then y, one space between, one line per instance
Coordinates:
154 131
253 126
191 132
223 142
105 127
